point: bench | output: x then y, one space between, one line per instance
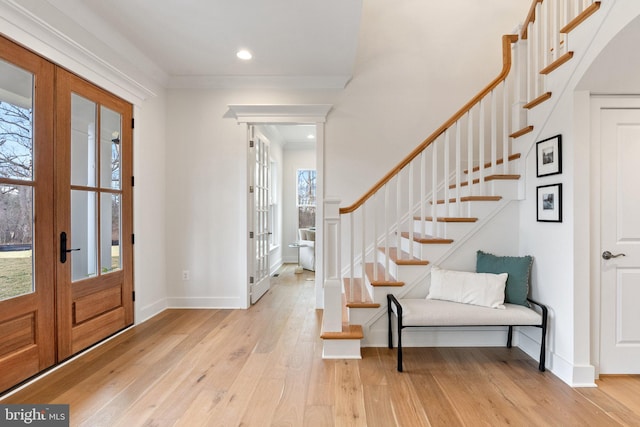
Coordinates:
412 313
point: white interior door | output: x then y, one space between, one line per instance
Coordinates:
620 237
259 224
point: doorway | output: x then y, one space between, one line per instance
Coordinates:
66 261
618 137
313 114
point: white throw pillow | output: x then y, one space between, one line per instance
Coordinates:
483 289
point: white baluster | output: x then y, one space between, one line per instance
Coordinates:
423 193
505 127
447 173
375 232
411 215
536 52
470 150
481 145
352 275
363 258
398 215
494 131
530 71
434 184
458 169
386 236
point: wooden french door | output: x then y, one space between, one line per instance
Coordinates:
66 262
93 214
27 254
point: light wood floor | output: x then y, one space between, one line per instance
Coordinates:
262 367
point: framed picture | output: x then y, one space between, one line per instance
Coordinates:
549 203
549 156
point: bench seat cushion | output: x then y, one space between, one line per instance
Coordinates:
424 312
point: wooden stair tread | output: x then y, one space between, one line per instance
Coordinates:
448 219
417 237
523 131
581 17
353 295
539 100
369 267
487 165
557 63
349 332
472 199
404 258
488 178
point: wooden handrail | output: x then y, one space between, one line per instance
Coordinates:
507 40
531 17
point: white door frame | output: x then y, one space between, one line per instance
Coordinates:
598 103
315 114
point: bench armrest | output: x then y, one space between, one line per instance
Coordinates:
542 307
391 299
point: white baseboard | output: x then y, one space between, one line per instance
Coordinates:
150 310
205 302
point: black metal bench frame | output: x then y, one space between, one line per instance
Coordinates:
391 299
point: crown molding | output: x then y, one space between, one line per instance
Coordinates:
258 82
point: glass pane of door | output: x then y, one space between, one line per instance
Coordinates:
16 241
16 181
84 236
110 234
83 141
110 130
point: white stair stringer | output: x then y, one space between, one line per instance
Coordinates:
459 255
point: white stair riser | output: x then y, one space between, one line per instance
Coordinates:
445 230
512 167
508 189
476 209
425 251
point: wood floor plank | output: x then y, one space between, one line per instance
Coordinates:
264 366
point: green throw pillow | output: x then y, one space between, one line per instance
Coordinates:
518 268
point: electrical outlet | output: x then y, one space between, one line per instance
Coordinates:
185 274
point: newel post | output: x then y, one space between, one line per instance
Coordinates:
332 316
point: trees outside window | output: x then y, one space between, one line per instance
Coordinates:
306 197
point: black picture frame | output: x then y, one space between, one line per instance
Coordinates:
549 203
549 156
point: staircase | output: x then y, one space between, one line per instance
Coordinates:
438 203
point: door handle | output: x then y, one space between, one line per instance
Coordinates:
609 255
63 248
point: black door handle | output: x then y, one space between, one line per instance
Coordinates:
63 248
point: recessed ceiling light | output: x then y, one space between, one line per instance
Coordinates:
310 136
244 54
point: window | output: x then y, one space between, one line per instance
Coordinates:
274 214
306 197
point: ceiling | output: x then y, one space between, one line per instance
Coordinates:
303 43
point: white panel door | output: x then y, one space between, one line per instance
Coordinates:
259 224
620 231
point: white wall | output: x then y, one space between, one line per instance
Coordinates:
149 204
294 159
563 252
